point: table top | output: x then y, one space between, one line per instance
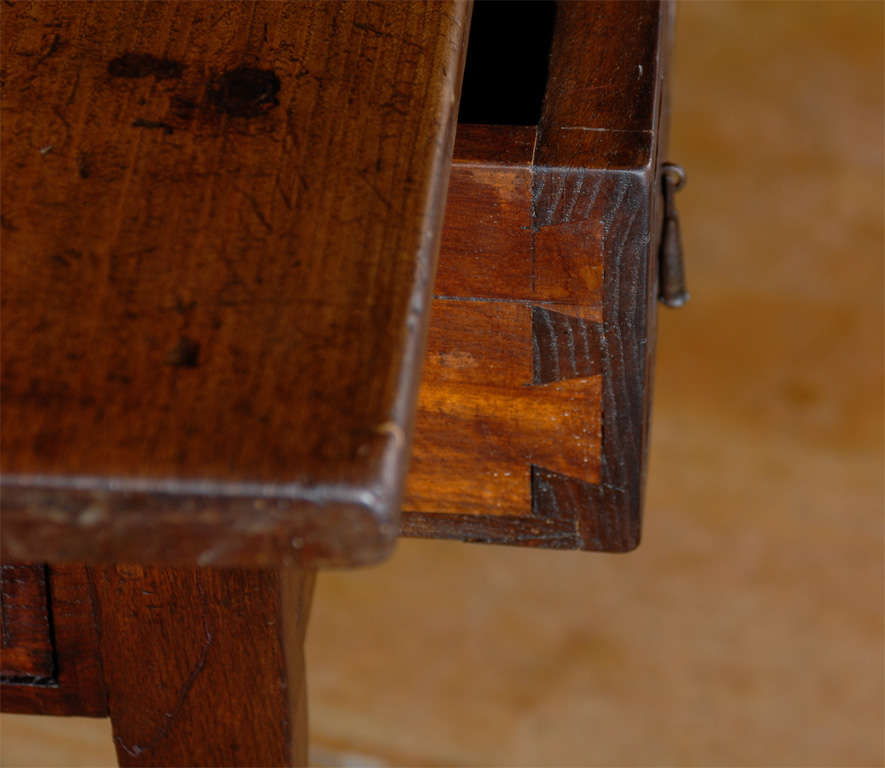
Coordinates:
220 223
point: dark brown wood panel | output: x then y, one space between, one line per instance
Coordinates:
204 667
491 248
75 686
220 223
24 623
601 104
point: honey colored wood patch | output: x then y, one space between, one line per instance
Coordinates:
511 381
506 387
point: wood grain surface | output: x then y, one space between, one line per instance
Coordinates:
204 666
74 685
747 629
198 666
549 263
494 398
24 623
219 232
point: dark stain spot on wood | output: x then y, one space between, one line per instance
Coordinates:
142 123
119 377
245 92
84 166
46 444
6 223
135 65
183 107
184 307
66 257
185 354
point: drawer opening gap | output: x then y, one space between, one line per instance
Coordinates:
508 57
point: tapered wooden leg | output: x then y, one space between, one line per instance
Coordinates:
204 666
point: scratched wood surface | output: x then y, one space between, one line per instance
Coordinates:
204 666
534 406
194 666
219 231
747 628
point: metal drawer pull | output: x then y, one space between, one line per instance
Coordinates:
671 290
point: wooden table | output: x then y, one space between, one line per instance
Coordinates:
220 235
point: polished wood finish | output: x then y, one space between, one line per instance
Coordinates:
549 263
75 685
549 243
196 666
486 417
220 224
502 390
215 300
205 666
602 104
24 623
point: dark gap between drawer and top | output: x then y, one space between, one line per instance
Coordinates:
508 55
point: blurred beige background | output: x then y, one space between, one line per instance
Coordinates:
748 627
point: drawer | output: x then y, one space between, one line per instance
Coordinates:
27 652
49 660
534 405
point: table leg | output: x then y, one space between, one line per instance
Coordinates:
204 666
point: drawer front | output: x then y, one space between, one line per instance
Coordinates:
27 651
49 656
